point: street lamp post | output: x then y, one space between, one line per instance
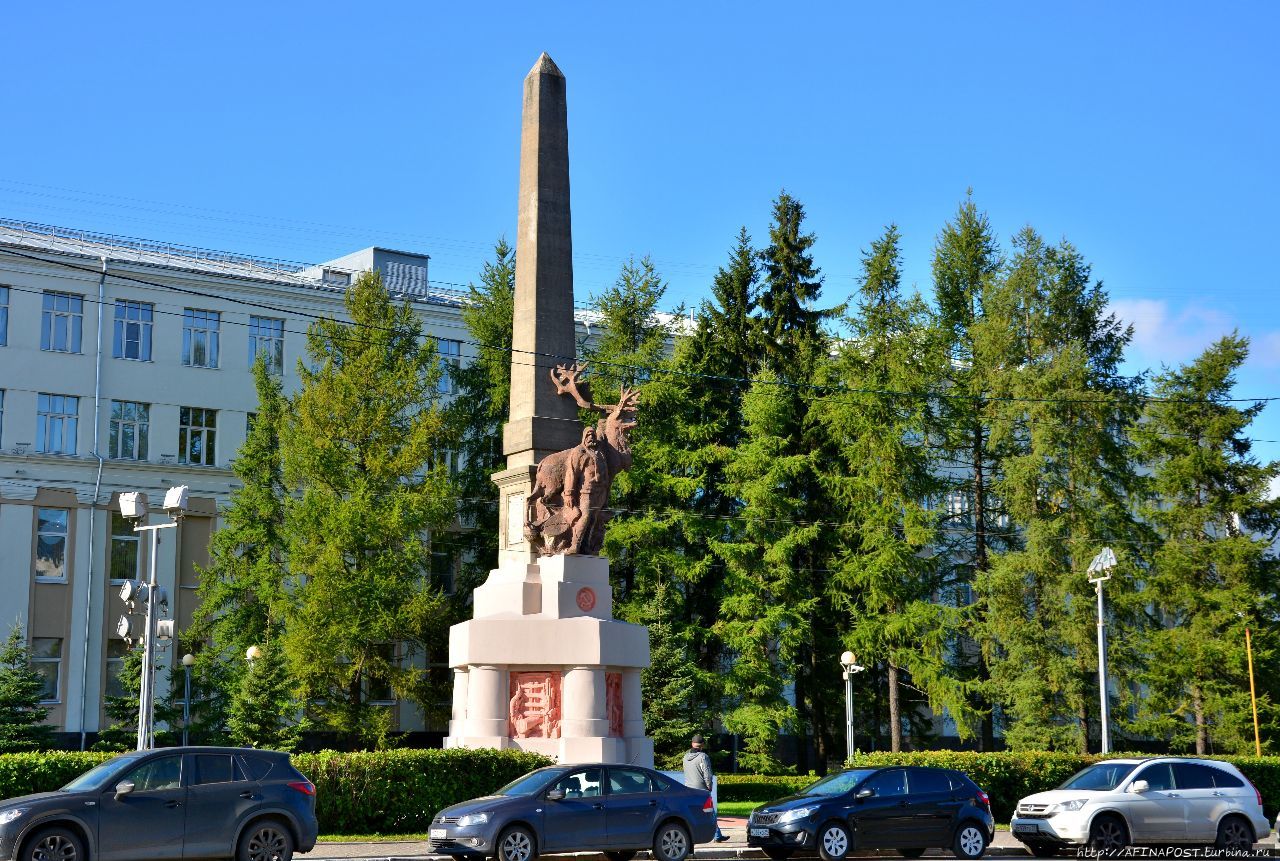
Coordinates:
1102 564
187 660
849 662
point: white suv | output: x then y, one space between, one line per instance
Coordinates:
1119 802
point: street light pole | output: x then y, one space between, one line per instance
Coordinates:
849 663
1103 562
1253 694
187 660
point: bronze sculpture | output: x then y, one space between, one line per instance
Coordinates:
567 510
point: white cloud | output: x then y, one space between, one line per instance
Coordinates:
1160 335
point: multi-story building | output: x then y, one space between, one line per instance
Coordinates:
125 365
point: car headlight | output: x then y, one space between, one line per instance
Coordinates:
1068 806
7 816
473 819
797 813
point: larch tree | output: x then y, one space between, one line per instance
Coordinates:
360 448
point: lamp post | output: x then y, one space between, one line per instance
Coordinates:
133 506
849 662
1253 693
1102 564
187 660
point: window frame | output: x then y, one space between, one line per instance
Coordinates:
64 535
72 317
208 435
449 362
208 324
267 332
132 312
130 537
68 423
141 430
57 671
114 664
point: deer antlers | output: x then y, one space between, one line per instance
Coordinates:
568 381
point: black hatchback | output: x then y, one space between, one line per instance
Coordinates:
909 809
172 803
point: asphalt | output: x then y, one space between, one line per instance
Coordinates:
1004 846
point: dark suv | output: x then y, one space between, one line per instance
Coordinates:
172 803
909 809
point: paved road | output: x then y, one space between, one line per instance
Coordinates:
736 848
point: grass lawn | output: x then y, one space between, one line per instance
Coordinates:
371 838
737 808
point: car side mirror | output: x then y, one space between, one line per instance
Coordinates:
1139 786
555 795
123 788
865 793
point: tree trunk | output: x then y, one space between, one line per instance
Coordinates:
1082 717
1202 725
895 711
803 721
981 563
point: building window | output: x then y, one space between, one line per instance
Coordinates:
46 659
377 687
200 338
336 277
450 359
133 330
197 428
4 316
116 651
266 339
128 433
442 570
446 457
124 549
56 423
61 321
51 543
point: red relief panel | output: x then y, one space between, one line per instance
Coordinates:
613 702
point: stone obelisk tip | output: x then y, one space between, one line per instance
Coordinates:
545 66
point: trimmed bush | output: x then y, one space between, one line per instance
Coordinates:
1010 776
760 787
382 792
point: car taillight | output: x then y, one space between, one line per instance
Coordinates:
707 806
306 787
985 799
1256 793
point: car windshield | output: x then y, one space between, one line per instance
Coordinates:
532 783
98 776
1103 777
839 784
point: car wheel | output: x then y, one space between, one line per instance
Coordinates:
672 842
620 856
1108 834
833 841
776 853
910 853
268 840
54 844
970 842
1234 833
516 843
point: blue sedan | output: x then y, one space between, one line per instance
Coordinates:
615 809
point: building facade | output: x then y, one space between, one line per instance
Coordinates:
125 365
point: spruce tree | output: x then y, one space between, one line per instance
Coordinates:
22 718
884 577
1214 568
121 732
264 712
358 447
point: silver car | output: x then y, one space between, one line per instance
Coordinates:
1167 800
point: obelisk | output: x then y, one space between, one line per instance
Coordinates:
543 336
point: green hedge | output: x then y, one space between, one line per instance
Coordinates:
399 791
384 792
760 787
1009 776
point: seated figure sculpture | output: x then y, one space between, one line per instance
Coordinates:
567 510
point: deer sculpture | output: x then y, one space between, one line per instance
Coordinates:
567 510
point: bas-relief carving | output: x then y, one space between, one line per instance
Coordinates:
613 702
535 705
566 511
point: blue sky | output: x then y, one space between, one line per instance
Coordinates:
1146 133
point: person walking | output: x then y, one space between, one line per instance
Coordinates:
698 774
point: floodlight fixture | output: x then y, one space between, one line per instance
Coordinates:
124 628
175 501
129 591
164 630
133 506
252 654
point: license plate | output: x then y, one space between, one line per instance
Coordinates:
759 832
1026 827
439 833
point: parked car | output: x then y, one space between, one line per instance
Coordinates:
617 809
1164 800
908 809
172 803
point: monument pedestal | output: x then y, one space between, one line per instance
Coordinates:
545 667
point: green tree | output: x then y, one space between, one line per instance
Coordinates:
242 590
884 577
265 713
121 732
1214 570
22 718
357 448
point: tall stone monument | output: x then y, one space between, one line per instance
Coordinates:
543 665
